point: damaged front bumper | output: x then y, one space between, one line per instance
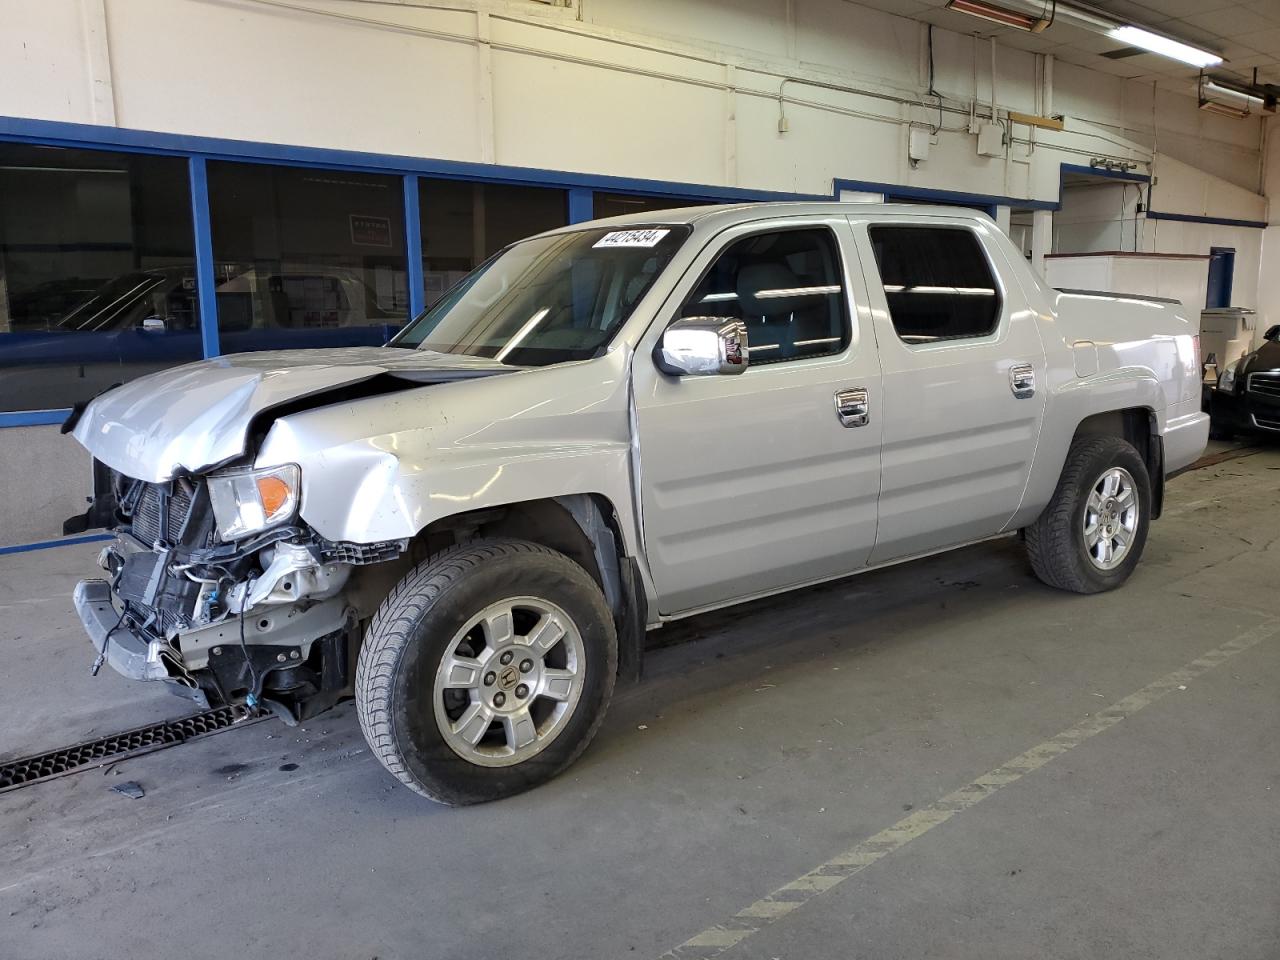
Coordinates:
277 637
267 618
125 651
288 630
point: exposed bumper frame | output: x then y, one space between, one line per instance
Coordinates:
128 653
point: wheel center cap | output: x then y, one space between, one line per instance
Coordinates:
508 677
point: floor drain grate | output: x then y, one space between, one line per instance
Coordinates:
157 736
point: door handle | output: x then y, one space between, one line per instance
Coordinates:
853 407
1022 380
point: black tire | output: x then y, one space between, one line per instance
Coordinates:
410 634
1056 541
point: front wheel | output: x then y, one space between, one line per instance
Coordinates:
1091 536
487 671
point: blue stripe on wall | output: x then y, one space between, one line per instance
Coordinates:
1220 221
48 544
413 246
33 418
205 292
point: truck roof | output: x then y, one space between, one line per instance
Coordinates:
727 214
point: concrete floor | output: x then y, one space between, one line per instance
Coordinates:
787 732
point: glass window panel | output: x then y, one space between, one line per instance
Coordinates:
96 272
465 223
306 257
620 204
787 287
547 300
937 282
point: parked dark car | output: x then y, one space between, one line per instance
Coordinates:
1247 398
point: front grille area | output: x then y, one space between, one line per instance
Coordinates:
173 519
1265 384
154 504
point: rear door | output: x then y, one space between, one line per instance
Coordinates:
755 482
964 375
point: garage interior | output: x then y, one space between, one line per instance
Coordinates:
944 758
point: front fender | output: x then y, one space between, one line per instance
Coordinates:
383 468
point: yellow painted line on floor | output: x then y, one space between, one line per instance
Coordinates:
791 896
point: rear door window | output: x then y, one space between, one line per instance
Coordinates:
937 282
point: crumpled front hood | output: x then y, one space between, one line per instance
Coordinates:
196 416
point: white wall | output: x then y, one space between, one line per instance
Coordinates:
685 90
667 89
1098 217
1153 275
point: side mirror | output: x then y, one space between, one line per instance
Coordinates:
154 325
702 346
1272 334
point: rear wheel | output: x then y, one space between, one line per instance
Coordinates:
487 671
1092 534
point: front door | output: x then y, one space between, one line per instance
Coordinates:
964 383
755 482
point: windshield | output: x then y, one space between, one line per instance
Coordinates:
548 299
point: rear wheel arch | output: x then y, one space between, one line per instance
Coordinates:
1102 502
1139 427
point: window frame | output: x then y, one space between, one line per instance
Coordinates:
982 239
714 248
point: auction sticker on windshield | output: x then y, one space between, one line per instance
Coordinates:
631 238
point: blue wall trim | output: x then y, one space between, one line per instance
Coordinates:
413 246
205 292
1220 221
33 418
94 137
582 205
46 544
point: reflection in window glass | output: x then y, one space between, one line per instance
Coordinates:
787 287
96 276
463 224
620 204
937 282
306 258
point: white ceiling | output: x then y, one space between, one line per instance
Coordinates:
1245 32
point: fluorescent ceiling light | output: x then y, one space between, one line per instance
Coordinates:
1036 15
1165 46
1000 15
1233 92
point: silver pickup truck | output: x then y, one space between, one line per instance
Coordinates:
604 428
